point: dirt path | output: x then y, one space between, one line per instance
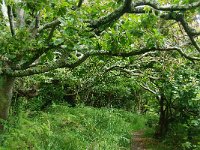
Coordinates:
139 142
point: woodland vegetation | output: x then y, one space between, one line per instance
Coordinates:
74 72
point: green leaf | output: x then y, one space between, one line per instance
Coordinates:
58 41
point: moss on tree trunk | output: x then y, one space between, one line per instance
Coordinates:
6 90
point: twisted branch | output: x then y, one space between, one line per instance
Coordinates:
64 64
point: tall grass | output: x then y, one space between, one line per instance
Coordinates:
65 128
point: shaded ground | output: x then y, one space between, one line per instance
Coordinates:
140 142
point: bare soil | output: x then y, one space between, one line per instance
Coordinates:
139 142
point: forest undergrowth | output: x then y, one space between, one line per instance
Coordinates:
80 128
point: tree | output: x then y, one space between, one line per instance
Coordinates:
40 36
169 81
173 87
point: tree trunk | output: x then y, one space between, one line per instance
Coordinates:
6 91
163 118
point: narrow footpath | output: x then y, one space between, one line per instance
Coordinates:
140 142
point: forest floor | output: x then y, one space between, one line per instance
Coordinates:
71 128
141 142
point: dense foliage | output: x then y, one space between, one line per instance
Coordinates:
140 56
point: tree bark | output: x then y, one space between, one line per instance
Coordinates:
163 118
6 91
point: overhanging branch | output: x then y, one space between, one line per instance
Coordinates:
39 52
112 16
143 51
186 56
123 69
189 32
168 7
44 68
148 89
49 25
129 7
64 64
